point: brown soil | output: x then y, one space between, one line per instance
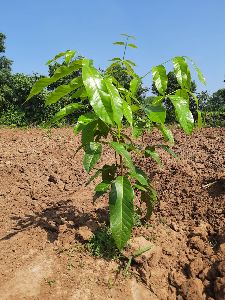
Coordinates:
46 209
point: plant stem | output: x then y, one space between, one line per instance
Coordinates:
125 48
121 165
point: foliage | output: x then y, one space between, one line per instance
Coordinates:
114 107
213 108
172 86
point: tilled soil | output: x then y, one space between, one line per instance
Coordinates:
47 213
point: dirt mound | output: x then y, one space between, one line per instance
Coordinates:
45 209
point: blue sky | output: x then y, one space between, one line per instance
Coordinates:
37 30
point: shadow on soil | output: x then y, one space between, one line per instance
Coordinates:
52 217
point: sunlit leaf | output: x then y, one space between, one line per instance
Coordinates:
183 114
97 92
68 109
160 78
182 72
63 90
200 75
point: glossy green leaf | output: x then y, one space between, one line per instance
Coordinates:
160 78
116 101
63 90
132 45
121 210
198 111
134 85
183 114
97 92
59 73
88 132
150 198
68 109
92 155
83 120
119 148
157 100
80 93
102 187
150 152
200 75
182 72
140 176
127 112
68 55
156 113
166 132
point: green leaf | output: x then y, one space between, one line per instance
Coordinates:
150 198
80 93
150 152
182 72
121 210
169 150
116 59
88 132
157 100
200 75
68 55
130 62
156 113
128 36
68 109
59 73
127 112
134 85
183 114
119 43
119 148
166 132
198 111
83 120
132 45
63 90
140 176
140 187
92 155
97 92
160 78
116 101
102 187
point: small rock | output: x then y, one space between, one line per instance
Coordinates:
151 256
221 251
174 226
197 243
221 268
196 267
63 228
176 279
219 288
201 230
192 289
84 233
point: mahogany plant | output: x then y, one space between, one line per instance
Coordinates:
113 109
